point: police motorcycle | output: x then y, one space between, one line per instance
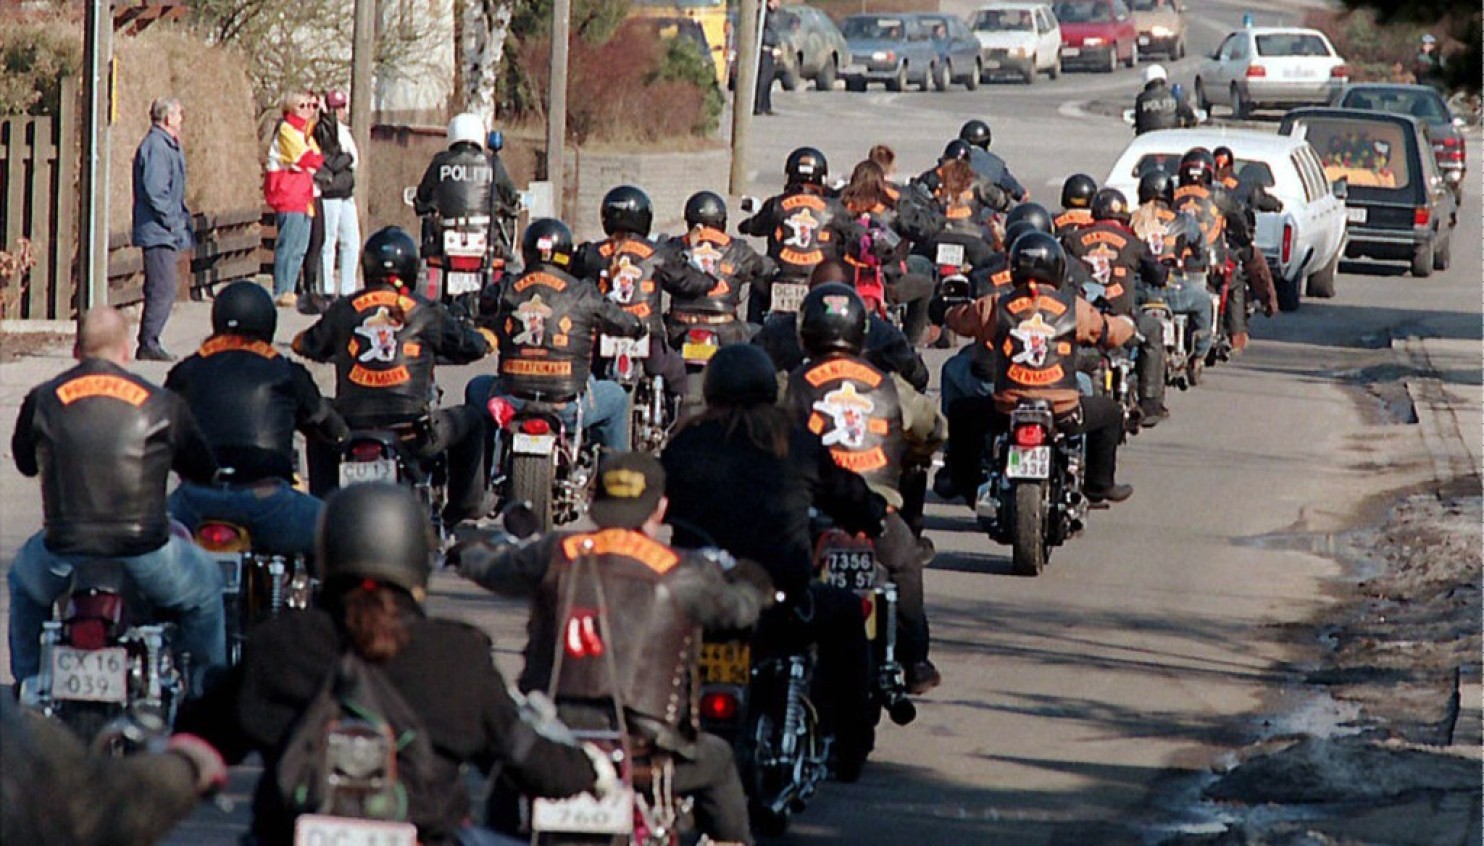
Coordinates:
107 672
465 256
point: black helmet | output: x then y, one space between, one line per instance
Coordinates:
1197 167
740 374
1033 212
244 308
1156 185
1077 191
806 164
627 209
956 149
1037 257
1110 204
832 318
377 531
547 241
706 208
1017 229
975 132
390 255
1224 157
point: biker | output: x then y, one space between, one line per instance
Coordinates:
1076 202
1176 240
373 555
987 165
872 201
803 226
1039 364
1250 192
966 215
1223 222
985 191
1119 260
872 424
383 342
249 400
743 455
539 360
1155 107
650 602
104 442
463 181
730 262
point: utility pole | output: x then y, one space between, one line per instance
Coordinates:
556 110
97 92
362 53
744 94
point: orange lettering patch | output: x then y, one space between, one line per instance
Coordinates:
802 200
412 349
1114 291
522 367
720 289
878 426
842 368
368 378
544 279
1102 237
632 545
111 387
641 310
637 248
792 256
1025 376
376 299
228 343
860 462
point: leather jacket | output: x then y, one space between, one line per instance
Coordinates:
463 180
1117 259
855 411
803 227
634 272
248 401
730 262
547 323
104 442
886 349
1155 108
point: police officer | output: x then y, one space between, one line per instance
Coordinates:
1120 261
731 263
620 614
374 554
1076 203
872 424
547 323
1224 223
987 165
249 400
463 180
104 442
803 225
383 342
1038 266
1176 241
1155 107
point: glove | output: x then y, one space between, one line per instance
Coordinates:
211 770
605 776
489 338
472 556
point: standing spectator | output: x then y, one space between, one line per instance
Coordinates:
162 223
1428 65
766 67
337 181
288 188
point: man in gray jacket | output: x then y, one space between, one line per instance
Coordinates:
162 223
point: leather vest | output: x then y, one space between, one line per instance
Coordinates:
466 180
242 394
546 324
1198 202
1110 251
1036 340
385 370
853 409
627 277
105 446
1168 234
1071 220
653 644
803 238
720 256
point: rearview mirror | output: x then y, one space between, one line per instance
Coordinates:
1341 188
409 196
1128 116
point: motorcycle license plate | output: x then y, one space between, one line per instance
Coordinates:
726 663
376 470
457 243
788 296
950 254
1355 215
849 568
317 829
699 351
463 282
90 675
585 814
1028 462
1172 339
610 346
524 444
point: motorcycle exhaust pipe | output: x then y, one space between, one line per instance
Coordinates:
901 709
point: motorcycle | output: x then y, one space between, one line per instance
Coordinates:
256 586
1113 373
1033 499
102 665
389 455
541 461
463 256
784 750
650 413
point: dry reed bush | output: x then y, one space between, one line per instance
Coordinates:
35 53
14 277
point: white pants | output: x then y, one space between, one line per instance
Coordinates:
342 229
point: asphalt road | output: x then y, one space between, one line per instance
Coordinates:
1077 705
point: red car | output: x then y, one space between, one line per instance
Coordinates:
1097 34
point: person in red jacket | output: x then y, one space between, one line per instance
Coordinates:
288 188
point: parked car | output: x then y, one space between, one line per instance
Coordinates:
812 49
1426 104
1304 240
1018 38
892 48
1399 205
1097 34
1161 25
1271 67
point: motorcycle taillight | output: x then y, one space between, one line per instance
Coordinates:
365 451
720 706
87 634
699 336
535 426
463 262
218 537
1029 435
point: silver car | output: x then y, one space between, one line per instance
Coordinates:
1271 67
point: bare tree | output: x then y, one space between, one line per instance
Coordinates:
484 26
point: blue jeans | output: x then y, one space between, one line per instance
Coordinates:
1192 299
605 408
289 247
176 577
960 381
280 519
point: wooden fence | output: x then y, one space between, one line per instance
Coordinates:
229 246
38 174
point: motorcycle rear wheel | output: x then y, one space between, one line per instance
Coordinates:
1028 544
531 481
